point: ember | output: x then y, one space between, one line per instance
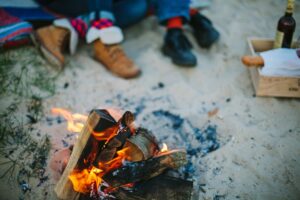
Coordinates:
112 154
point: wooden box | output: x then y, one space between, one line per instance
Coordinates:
267 85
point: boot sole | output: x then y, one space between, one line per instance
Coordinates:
47 54
118 75
168 53
51 58
210 43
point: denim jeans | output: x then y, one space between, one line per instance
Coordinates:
126 12
166 9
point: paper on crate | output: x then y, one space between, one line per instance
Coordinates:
281 62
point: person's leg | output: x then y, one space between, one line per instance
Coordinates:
96 14
176 45
129 12
204 31
69 8
106 36
97 26
166 9
83 14
103 9
126 13
106 47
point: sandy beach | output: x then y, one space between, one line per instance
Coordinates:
259 152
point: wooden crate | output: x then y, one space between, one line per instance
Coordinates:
271 86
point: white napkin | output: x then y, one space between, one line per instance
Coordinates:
281 62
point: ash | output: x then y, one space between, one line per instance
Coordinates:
156 112
181 133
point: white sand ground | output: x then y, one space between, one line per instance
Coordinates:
260 155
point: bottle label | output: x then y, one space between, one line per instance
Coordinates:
278 40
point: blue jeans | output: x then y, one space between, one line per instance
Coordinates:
126 12
166 9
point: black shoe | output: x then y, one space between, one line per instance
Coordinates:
204 31
178 47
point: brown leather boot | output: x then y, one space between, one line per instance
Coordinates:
115 60
52 41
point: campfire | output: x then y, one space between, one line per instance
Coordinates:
112 157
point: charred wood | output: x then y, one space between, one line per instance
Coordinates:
132 172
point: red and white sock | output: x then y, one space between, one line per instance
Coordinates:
104 30
102 23
80 26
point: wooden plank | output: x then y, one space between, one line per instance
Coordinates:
279 86
96 121
255 78
253 71
257 45
271 86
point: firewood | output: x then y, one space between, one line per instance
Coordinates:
111 146
99 141
158 188
109 150
143 145
127 119
81 156
132 172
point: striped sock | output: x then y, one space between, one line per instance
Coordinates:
102 23
80 26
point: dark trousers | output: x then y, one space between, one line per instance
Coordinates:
126 12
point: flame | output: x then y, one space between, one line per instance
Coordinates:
164 148
91 178
75 121
82 180
106 135
115 163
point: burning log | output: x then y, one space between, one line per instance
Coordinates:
132 172
143 145
158 188
109 149
97 121
109 154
